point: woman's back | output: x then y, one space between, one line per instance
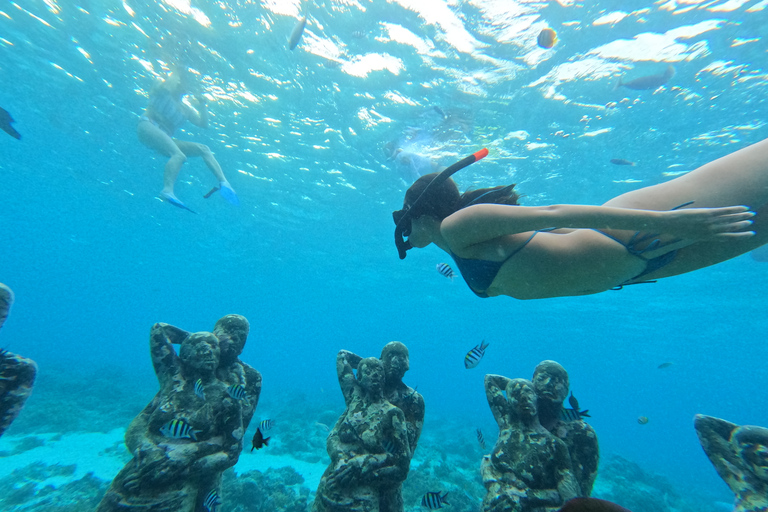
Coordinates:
556 264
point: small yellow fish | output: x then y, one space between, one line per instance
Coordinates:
547 38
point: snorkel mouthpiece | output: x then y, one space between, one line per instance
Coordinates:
403 223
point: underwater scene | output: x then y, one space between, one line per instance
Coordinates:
206 310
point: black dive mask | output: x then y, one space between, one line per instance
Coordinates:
403 218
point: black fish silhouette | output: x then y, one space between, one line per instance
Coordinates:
645 83
572 400
621 161
259 441
5 124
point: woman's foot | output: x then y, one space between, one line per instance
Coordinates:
228 193
175 201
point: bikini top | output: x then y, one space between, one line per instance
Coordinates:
479 274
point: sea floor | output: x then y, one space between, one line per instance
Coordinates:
65 472
104 454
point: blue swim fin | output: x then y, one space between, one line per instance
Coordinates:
228 193
176 202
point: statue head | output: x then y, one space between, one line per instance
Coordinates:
232 331
200 352
394 356
370 375
551 382
751 444
522 397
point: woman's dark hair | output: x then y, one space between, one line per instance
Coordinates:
445 199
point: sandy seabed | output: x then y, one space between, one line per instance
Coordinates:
104 454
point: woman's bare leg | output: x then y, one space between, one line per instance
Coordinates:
739 178
201 150
193 149
155 138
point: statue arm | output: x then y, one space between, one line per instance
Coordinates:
164 358
714 435
393 468
253 391
346 363
418 420
497 401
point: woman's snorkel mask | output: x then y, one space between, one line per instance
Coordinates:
404 217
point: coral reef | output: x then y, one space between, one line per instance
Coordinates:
254 491
26 490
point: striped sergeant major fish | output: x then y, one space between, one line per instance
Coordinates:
236 391
199 389
474 356
433 500
266 424
445 270
573 414
480 439
211 501
179 428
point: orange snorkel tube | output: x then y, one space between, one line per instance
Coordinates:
403 218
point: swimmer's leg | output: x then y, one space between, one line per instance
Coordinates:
193 149
155 138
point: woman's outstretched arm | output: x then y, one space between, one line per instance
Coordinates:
485 222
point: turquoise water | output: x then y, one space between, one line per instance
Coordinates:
95 258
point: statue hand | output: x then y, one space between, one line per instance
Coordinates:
154 466
216 462
504 502
344 476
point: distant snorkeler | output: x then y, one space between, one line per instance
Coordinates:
537 252
166 113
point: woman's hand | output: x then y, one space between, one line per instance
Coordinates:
707 223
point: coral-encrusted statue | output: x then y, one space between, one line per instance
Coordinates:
396 362
193 429
551 383
17 374
529 469
740 456
369 448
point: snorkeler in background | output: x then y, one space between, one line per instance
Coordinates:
166 113
500 248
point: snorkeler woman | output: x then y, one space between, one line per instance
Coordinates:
536 252
166 113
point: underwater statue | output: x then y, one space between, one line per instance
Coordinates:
193 429
551 383
369 448
529 469
396 362
17 374
740 456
